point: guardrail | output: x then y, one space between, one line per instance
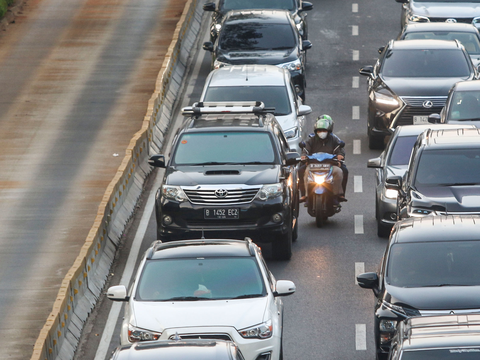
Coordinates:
85 280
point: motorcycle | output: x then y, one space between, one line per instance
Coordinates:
321 202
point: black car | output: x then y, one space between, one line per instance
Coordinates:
443 175
430 267
462 106
230 174
261 37
446 337
296 8
410 81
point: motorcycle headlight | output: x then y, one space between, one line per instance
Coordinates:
291 133
262 331
391 194
173 193
136 334
385 99
218 64
292 65
319 179
270 191
418 18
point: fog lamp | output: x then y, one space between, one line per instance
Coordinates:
167 220
277 218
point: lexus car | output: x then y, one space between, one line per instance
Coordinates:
205 289
297 9
410 81
430 267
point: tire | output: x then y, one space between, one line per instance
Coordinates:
319 212
383 230
295 232
282 247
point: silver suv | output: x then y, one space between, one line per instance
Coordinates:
266 83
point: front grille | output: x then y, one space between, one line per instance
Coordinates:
406 116
417 101
225 337
210 196
468 20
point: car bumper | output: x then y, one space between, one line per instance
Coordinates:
387 210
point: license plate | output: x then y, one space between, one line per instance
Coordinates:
222 213
320 166
417 120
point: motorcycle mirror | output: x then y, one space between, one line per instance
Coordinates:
302 145
341 143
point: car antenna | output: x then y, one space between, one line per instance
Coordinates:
203 235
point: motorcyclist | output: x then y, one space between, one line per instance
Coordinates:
325 141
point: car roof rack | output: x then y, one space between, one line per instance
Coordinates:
232 107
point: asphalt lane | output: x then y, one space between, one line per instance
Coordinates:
329 317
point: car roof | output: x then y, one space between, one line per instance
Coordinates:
201 248
263 17
471 85
437 228
424 44
448 139
412 130
442 331
439 26
229 122
247 75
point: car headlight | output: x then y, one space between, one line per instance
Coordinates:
391 194
299 27
401 310
218 64
292 65
387 330
218 27
418 18
262 331
385 99
319 179
173 193
291 133
136 334
270 191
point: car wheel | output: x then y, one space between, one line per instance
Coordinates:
295 231
282 246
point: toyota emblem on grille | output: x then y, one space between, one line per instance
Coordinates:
221 193
428 104
451 20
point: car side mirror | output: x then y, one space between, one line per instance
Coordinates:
393 183
118 293
306 44
306 6
434 118
284 288
304 110
157 161
210 6
402 1
208 45
366 70
292 158
375 163
380 49
368 280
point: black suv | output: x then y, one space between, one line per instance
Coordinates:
230 174
261 37
443 175
430 267
410 81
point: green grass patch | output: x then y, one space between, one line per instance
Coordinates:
4 5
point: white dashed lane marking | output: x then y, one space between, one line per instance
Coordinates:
355 55
354 30
355 8
357 184
358 224
360 337
357 147
355 82
355 112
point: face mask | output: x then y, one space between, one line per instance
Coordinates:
322 135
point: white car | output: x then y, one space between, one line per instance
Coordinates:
208 289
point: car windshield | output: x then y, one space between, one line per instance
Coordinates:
257 4
460 353
402 150
271 96
469 40
190 279
465 105
255 36
434 264
425 63
224 147
448 167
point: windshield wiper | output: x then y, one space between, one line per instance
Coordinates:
441 285
187 298
459 184
248 296
255 163
209 163
472 119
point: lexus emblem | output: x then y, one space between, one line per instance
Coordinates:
221 193
427 104
451 20
452 312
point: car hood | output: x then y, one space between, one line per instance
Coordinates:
449 10
287 121
397 170
222 174
434 298
421 86
456 198
268 57
158 316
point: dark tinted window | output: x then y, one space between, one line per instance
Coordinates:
434 264
210 278
257 36
448 167
401 150
272 96
257 4
425 63
465 105
468 40
463 353
224 147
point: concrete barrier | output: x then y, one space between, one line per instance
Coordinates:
85 280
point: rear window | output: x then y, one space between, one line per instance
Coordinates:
468 40
465 105
461 353
425 63
272 96
434 264
257 4
225 148
402 149
255 36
